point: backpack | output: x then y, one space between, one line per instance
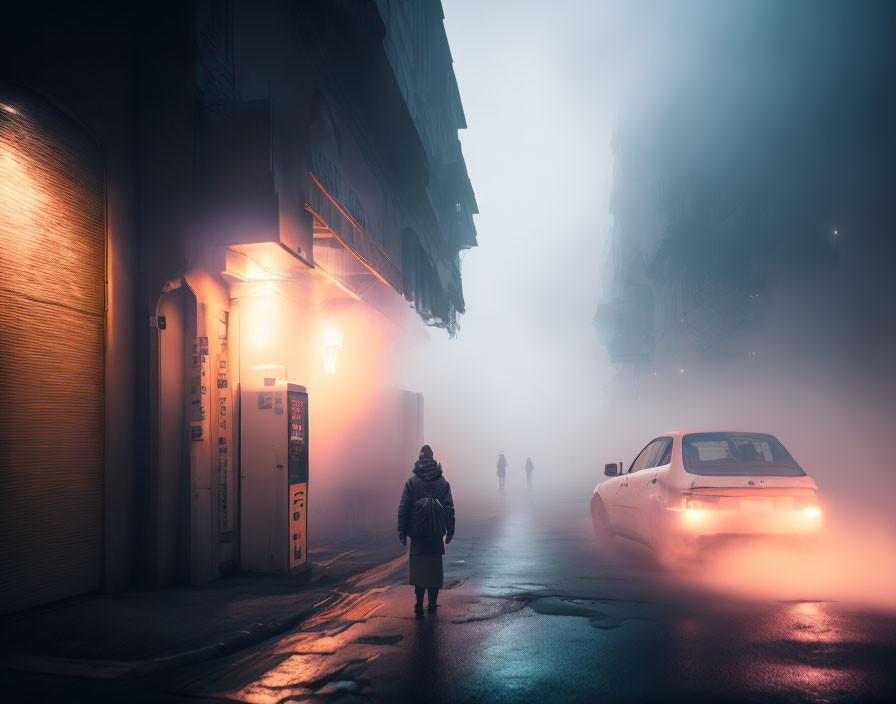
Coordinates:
428 516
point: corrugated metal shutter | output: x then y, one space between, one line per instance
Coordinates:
52 262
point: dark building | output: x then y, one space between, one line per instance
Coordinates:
199 198
752 203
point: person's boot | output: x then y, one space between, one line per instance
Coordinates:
433 595
418 608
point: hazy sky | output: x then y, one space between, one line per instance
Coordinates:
543 87
536 91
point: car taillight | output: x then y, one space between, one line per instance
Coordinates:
804 502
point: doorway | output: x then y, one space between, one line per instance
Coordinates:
176 337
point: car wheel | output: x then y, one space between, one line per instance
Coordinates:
601 521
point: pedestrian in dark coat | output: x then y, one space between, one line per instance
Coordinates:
425 557
502 469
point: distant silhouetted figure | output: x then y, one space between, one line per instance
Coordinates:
529 468
502 470
426 513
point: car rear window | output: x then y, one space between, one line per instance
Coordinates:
737 454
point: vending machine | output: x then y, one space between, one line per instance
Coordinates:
274 477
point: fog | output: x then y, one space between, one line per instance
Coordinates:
591 127
525 371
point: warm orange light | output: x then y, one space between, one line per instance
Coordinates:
263 298
693 514
332 343
330 360
263 304
262 335
812 512
263 294
27 198
332 338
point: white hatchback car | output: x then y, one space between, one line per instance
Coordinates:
687 486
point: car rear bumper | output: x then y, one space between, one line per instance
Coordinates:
708 522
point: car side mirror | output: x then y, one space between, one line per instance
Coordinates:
611 470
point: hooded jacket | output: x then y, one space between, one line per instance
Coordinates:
426 472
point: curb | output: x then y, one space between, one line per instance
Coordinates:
123 669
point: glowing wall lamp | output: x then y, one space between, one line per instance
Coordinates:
332 343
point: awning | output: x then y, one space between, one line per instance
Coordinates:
352 236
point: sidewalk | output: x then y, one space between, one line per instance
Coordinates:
140 631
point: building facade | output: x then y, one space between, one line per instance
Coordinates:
204 201
750 199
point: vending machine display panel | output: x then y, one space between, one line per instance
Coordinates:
298 477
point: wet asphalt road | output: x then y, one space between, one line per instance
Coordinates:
535 611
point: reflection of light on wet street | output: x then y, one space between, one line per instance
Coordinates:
513 555
534 610
323 657
811 623
807 649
